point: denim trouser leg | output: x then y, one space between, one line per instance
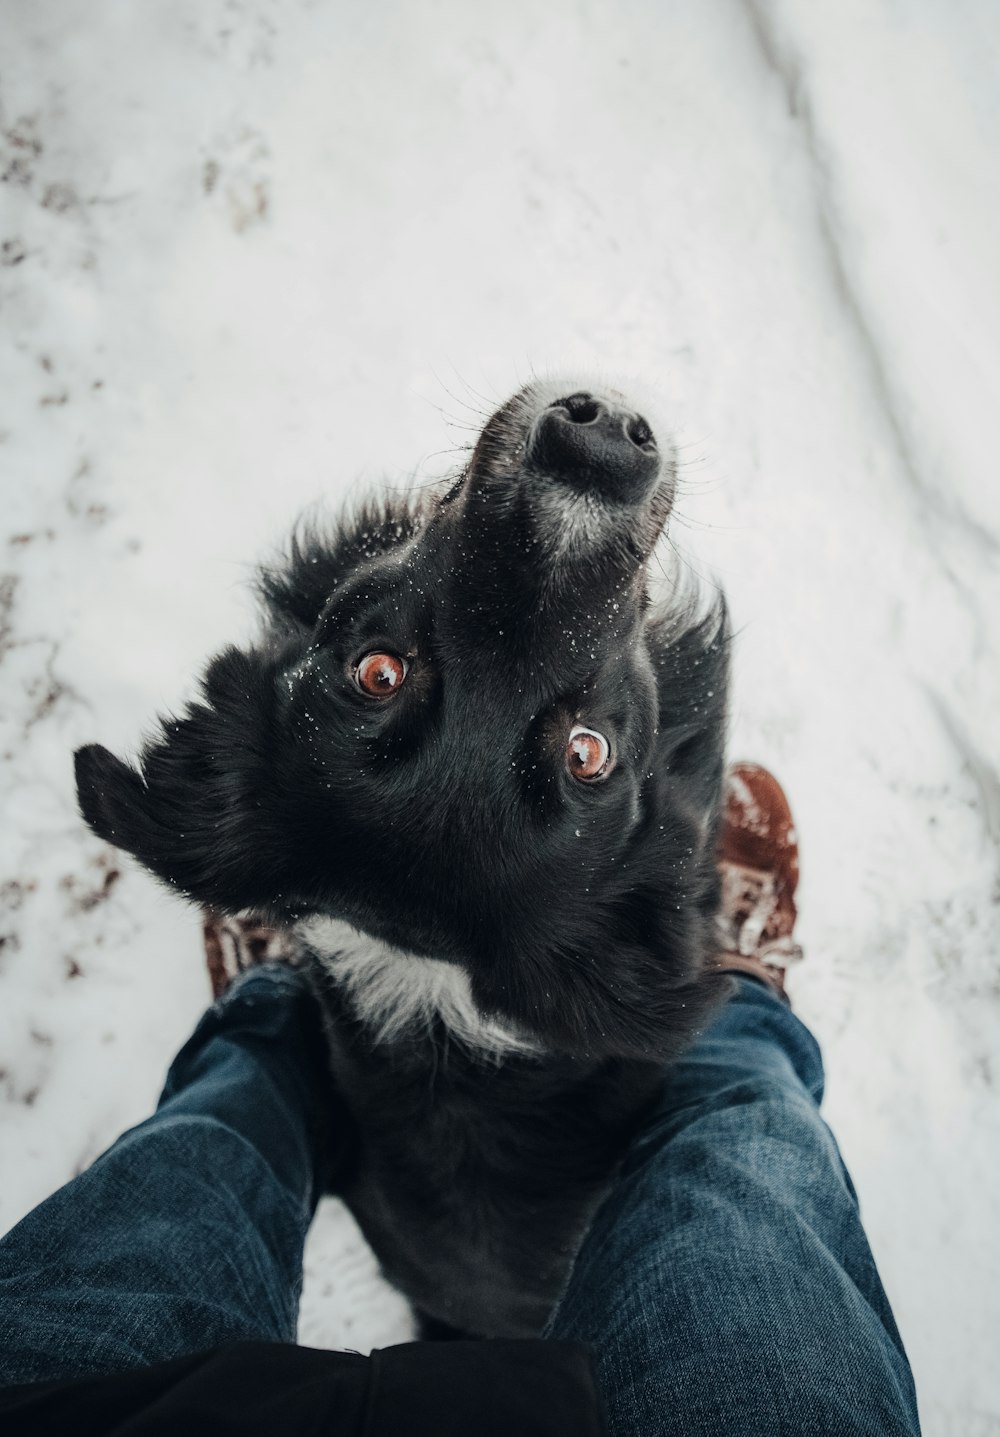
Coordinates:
188 1232
727 1283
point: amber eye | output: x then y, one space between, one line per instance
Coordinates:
380 675
588 754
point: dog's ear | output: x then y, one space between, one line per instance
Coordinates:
628 978
196 811
110 795
628 1002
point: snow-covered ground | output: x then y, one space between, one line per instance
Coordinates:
255 252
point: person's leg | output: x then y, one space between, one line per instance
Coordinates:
727 1282
188 1232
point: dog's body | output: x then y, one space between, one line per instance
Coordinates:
475 1175
480 778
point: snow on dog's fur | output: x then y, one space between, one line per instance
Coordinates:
478 772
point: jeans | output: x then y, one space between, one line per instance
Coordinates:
726 1284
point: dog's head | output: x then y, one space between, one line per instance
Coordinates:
467 732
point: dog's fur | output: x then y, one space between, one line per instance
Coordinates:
507 957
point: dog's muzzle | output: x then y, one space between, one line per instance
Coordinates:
596 447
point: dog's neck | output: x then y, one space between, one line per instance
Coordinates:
397 994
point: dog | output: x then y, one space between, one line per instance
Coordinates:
476 773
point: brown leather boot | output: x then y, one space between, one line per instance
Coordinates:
234 944
759 865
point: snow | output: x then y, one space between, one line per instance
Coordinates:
257 254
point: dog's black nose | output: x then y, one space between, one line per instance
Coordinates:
594 445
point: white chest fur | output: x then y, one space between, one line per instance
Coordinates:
394 992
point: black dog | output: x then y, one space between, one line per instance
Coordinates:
480 775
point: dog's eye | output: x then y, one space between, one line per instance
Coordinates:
380 675
588 754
